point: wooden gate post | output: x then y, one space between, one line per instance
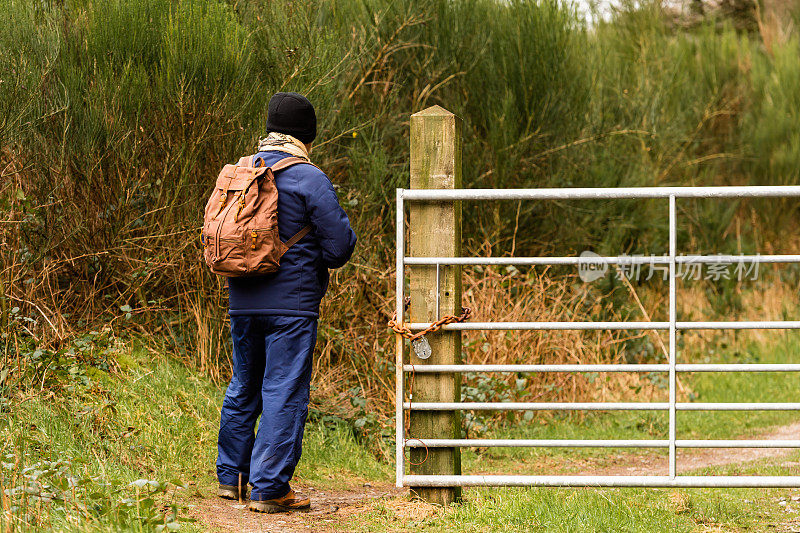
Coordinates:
435 231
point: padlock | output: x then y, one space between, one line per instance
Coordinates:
422 347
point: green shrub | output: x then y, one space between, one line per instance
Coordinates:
115 116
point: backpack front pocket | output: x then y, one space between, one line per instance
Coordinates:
225 255
263 256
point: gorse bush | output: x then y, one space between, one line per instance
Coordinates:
116 115
771 121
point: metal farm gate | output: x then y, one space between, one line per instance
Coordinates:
670 261
435 170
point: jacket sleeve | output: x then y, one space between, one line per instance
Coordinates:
330 222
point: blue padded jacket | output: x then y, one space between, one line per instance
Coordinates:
305 196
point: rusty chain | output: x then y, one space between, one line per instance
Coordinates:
403 330
406 332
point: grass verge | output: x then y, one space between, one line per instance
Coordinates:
126 450
129 449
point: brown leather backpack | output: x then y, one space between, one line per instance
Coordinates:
240 228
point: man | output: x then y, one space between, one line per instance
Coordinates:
274 321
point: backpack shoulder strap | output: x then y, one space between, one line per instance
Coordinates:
246 161
287 162
296 238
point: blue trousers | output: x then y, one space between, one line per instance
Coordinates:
271 377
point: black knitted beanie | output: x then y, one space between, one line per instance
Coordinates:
293 114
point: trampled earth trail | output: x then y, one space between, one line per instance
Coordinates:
327 507
695 459
331 506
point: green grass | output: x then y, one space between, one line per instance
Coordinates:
333 459
152 420
595 510
601 510
633 510
610 510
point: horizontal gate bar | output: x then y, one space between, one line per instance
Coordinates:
538 368
534 443
737 443
610 260
464 326
733 406
597 406
570 260
763 324
594 193
540 406
738 367
603 481
553 326
602 443
710 367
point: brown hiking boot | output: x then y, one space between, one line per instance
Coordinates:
288 503
231 492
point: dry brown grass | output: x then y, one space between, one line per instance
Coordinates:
368 345
540 297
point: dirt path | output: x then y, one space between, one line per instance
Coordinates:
695 459
329 507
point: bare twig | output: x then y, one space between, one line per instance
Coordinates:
55 330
